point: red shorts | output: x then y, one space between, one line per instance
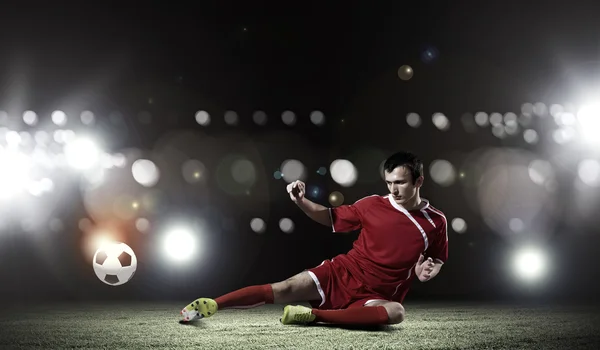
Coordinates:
338 288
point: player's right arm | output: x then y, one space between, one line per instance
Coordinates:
315 211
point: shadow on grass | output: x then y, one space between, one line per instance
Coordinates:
367 328
195 323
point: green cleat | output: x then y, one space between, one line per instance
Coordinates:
199 308
297 315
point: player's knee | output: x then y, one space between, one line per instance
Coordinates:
282 289
395 312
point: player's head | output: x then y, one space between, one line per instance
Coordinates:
403 173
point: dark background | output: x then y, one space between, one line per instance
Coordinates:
174 59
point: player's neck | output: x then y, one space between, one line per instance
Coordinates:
414 203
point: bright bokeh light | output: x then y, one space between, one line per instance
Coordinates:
459 225
59 118
343 172
530 264
413 120
589 120
202 118
82 153
180 245
145 172
317 117
14 176
292 170
286 225
442 172
288 118
589 172
258 225
30 118
441 121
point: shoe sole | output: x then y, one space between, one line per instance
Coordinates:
198 309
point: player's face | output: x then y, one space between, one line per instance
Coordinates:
399 182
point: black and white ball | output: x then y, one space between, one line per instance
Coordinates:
114 263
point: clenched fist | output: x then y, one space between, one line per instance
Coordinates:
296 189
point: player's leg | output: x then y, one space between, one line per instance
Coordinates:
395 311
300 287
378 312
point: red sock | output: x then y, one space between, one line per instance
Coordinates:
366 315
246 298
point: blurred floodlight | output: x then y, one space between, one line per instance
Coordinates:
87 117
530 136
343 172
589 119
203 118
30 118
194 171
527 109
119 160
459 225
530 264
180 244
288 118
286 225
59 118
14 176
13 138
482 119
258 225
540 171
142 224
260 117
516 225
231 118
243 171
496 119
292 170
589 172
413 120
82 153
145 172
441 121
540 109
442 172
317 117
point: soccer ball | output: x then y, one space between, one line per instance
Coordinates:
114 263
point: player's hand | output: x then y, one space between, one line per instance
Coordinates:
296 190
424 268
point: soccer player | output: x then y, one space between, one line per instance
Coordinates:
402 237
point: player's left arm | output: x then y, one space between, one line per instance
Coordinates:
437 254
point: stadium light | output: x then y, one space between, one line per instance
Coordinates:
14 176
530 264
180 244
82 153
589 120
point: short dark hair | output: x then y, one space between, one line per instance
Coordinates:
407 160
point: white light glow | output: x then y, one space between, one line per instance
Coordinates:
180 245
14 176
82 154
530 264
589 120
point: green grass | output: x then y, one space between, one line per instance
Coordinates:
428 326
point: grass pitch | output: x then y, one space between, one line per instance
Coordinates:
428 326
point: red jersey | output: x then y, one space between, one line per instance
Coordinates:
390 242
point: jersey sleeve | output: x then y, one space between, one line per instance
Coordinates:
346 218
438 250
